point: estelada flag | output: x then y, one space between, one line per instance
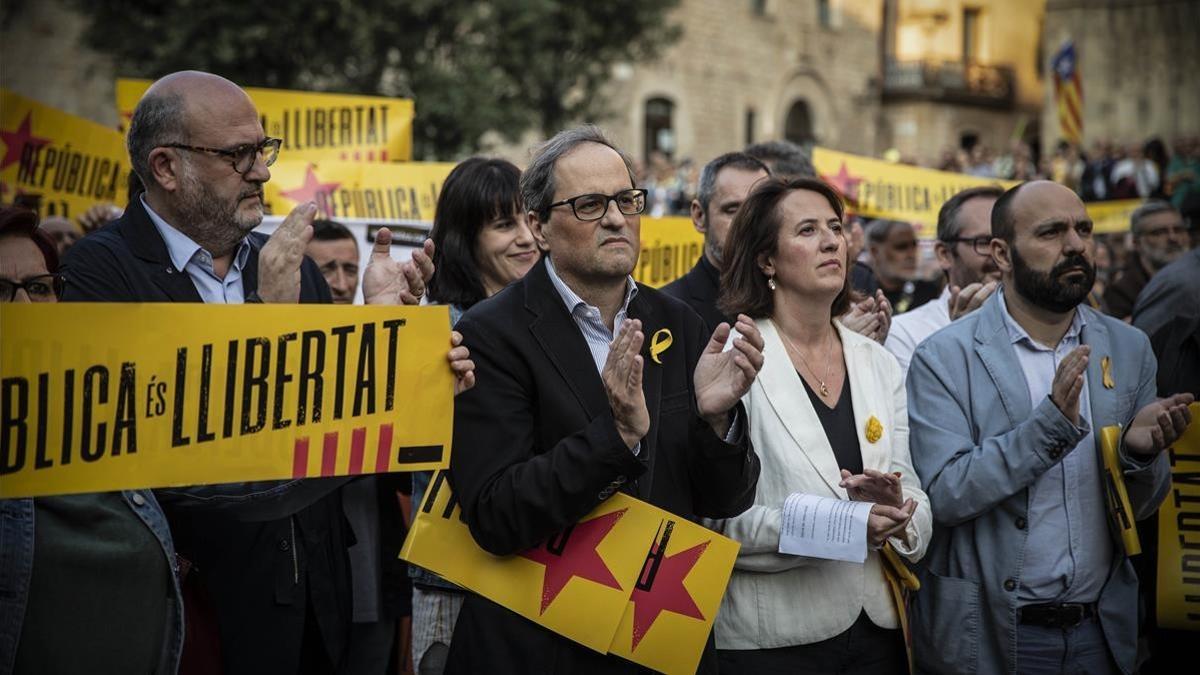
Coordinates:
1068 93
676 597
576 584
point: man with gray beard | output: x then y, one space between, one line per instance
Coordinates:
1160 237
268 589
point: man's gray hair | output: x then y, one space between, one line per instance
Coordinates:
537 181
1151 207
878 230
785 158
730 160
159 119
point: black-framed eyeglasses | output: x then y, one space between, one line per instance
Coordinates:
593 206
242 157
40 288
982 245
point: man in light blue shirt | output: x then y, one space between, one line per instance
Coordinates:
1024 573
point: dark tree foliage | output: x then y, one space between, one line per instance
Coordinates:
471 66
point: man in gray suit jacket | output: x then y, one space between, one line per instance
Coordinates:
1025 572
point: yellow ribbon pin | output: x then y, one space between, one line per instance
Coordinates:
1106 372
659 343
874 429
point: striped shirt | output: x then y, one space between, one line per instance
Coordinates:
597 335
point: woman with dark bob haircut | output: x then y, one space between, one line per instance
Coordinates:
483 243
828 417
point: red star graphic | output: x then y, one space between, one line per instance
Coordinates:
578 558
313 190
15 142
846 183
666 593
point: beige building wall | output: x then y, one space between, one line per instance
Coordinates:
42 57
733 58
922 120
1139 64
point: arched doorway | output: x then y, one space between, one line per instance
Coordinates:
798 127
659 126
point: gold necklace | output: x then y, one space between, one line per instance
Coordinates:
828 361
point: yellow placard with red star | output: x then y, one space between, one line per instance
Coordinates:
56 162
406 191
676 597
626 569
880 189
317 126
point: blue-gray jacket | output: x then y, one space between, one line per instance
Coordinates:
977 443
16 573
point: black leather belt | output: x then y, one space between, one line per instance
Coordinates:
1065 615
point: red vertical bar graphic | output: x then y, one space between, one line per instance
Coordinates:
357 441
329 453
383 460
300 458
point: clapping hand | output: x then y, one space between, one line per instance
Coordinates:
873 486
280 258
1159 424
722 377
622 377
969 298
460 363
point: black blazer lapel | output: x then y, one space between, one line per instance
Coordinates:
641 308
555 331
147 244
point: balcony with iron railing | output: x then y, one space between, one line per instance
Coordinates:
949 82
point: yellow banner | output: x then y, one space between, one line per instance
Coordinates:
100 397
576 584
407 191
629 578
316 126
670 248
1179 535
1115 492
61 163
1109 217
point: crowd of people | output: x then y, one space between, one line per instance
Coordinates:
808 357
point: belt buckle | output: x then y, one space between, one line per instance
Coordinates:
1070 615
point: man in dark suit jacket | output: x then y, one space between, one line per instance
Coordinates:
270 556
565 415
725 182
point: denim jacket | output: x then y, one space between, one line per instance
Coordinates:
16 573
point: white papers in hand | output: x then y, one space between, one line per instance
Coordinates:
824 527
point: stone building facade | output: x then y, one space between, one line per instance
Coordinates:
1139 65
753 70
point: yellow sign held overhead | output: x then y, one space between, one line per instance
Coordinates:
317 126
61 163
100 397
407 191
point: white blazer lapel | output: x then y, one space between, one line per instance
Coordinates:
869 396
785 392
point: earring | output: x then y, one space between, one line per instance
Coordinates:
771 283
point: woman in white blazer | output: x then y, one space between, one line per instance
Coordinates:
827 416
